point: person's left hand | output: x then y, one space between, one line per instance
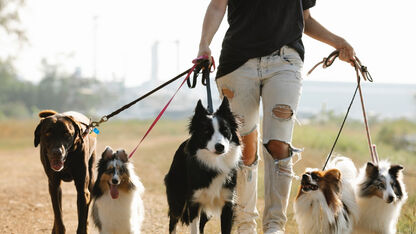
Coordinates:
346 52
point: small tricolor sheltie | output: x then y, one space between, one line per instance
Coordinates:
326 200
202 177
117 202
380 195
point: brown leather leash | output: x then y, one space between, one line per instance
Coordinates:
362 73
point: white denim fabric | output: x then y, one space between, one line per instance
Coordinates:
276 79
245 210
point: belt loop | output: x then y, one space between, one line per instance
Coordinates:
281 51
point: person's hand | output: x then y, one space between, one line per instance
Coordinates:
346 52
204 50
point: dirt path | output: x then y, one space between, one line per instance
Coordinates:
25 203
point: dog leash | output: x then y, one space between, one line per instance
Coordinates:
205 66
198 63
361 73
94 124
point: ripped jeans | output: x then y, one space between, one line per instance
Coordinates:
275 78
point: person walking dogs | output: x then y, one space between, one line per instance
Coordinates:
262 56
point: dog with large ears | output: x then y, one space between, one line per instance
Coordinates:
67 154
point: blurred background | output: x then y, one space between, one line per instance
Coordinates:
95 56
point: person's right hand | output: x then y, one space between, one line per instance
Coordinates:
205 50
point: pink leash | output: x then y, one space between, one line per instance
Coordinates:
196 63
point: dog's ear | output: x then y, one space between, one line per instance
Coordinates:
225 112
200 109
395 169
108 153
46 113
371 170
333 174
121 154
78 131
225 106
37 134
200 114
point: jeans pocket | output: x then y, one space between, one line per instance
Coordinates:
291 56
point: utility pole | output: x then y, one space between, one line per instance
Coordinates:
154 74
177 56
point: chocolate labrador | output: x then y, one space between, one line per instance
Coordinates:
67 153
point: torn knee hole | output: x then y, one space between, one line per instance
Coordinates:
228 93
282 111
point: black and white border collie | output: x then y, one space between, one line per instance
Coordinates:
202 177
326 200
117 202
381 194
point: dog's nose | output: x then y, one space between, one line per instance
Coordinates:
219 147
115 181
390 199
57 152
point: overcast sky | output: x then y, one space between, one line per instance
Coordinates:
382 33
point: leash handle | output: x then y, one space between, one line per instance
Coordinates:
203 63
361 72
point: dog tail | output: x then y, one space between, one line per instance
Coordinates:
46 113
345 166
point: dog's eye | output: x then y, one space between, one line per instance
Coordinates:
381 186
227 133
109 170
314 176
67 135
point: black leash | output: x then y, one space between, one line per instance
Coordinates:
200 64
340 130
205 66
105 118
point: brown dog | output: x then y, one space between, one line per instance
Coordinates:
67 154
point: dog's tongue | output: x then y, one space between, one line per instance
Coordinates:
114 191
57 164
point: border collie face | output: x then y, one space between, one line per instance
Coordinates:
326 182
213 132
113 172
383 181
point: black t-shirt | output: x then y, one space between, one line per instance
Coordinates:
259 27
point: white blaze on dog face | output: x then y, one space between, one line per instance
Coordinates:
385 181
115 168
381 180
388 194
218 143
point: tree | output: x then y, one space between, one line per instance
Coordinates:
10 18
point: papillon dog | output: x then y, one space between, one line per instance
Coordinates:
326 199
